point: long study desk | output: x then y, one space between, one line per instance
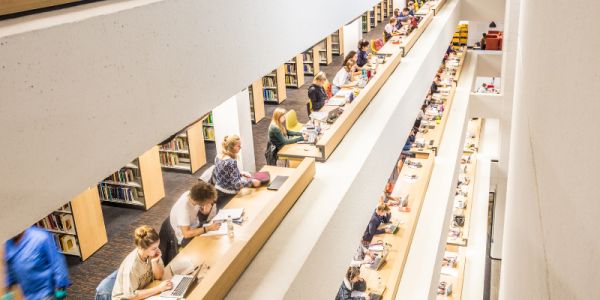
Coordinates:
332 134
431 6
227 257
385 281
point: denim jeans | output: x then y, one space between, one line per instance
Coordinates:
334 89
104 289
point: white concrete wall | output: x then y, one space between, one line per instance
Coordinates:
483 10
233 117
489 64
88 89
551 241
352 34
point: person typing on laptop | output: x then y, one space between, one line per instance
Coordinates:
193 209
279 136
381 215
141 266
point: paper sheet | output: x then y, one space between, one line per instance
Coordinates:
221 231
235 213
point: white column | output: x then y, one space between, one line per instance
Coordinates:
551 248
233 117
352 34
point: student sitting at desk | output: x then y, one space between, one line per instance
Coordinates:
420 116
412 8
363 56
343 78
278 133
141 266
390 29
192 210
229 179
352 282
353 57
404 18
316 92
381 214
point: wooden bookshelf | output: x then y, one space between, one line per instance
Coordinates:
138 184
366 22
379 12
78 226
325 53
185 151
257 105
274 86
208 128
390 5
294 72
337 42
385 7
311 65
8 7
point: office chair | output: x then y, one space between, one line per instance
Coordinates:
309 108
291 121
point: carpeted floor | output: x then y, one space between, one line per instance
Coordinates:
120 222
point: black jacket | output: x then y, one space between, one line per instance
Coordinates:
317 96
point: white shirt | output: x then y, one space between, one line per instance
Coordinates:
183 213
389 28
341 78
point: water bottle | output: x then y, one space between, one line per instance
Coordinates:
229 226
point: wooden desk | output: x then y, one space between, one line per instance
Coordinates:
456 279
473 134
15 6
228 258
391 272
406 42
437 6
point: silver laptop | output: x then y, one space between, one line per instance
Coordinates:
181 284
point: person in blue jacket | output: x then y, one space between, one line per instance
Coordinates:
381 215
34 263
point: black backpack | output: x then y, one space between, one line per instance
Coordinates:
271 154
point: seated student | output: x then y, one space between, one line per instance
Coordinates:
278 133
352 282
141 266
192 205
390 29
381 214
483 88
411 8
409 142
316 92
483 42
420 116
404 18
229 179
362 256
353 57
363 56
343 78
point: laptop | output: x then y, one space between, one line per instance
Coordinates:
181 284
277 182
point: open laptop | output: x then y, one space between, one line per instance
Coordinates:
277 182
181 284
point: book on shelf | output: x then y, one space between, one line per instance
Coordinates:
308 68
62 222
125 175
290 80
65 208
307 57
119 193
290 68
270 95
208 120
269 82
179 143
209 133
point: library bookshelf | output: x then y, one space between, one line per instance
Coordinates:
257 105
373 17
274 86
311 65
337 42
366 22
185 150
78 226
138 184
294 72
325 53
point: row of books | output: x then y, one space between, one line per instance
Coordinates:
269 82
323 57
209 119
209 133
290 68
291 80
173 159
309 68
66 243
270 95
59 222
177 144
110 192
308 57
124 175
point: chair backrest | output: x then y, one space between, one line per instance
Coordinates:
104 289
309 107
291 119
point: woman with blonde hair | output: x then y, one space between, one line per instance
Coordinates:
316 92
278 133
142 266
229 179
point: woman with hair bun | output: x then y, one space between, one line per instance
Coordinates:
229 179
142 266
